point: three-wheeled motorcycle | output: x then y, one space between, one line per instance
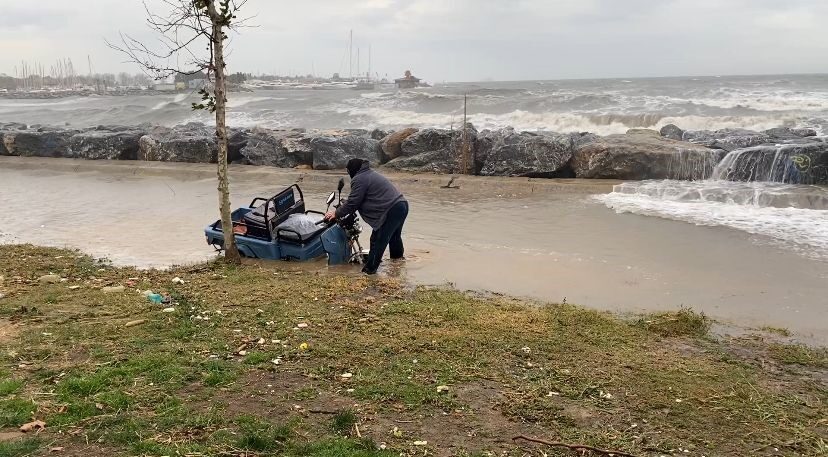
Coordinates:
280 228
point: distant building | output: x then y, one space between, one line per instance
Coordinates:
408 82
196 83
180 85
165 87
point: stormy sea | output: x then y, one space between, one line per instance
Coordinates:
602 106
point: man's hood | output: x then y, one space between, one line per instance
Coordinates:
356 165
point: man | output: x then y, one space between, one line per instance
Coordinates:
381 205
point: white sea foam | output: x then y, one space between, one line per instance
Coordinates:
763 209
764 101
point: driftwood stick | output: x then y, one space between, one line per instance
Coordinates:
573 447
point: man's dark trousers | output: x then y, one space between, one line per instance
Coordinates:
390 232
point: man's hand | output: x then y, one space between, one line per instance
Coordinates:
330 216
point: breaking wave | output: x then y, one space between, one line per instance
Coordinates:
790 216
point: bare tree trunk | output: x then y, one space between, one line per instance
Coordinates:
231 253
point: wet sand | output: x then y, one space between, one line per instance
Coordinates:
543 239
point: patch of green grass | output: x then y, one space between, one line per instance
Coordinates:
797 354
15 412
217 373
339 448
685 322
115 399
257 435
85 385
75 411
9 386
19 448
257 358
343 422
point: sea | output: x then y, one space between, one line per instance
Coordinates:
602 106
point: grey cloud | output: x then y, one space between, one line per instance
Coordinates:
473 39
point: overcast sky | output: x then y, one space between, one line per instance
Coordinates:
458 40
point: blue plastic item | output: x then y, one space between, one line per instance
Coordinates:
155 299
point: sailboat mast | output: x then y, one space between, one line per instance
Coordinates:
351 56
369 62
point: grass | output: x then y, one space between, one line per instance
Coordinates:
343 422
799 355
685 322
19 448
232 372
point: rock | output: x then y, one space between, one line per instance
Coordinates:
526 154
179 145
428 162
441 389
168 310
786 133
32 143
643 156
726 139
346 375
49 279
112 290
378 134
435 151
392 144
332 151
277 148
177 280
192 143
427 140
105 144
583 138
790 163
672 132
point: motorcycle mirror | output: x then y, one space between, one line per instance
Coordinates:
341 184
331 198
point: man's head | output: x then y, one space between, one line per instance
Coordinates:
354 166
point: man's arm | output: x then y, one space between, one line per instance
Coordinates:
354 201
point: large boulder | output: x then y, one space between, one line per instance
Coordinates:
437 151
392 144
277 148
38 143
787 133
427 140
193 143
727 139
805 163
525 153
672 132
179 145
331 151
120 144
642 155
